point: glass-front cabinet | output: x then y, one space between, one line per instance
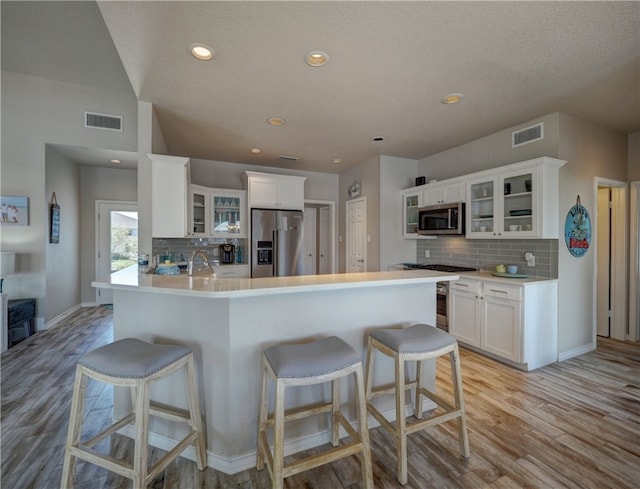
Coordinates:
411 201
228 213
219 213
503 206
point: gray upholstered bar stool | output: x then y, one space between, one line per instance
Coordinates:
418 343
326 360
136 364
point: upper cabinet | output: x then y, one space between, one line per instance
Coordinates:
438 193
218 213
273 191
411 201
517 201
169 196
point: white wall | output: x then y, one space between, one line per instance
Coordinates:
591 150
37 111
98 183
395 174
62 259
634 157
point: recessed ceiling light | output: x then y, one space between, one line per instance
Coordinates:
377 138
316 58
116 162
275 121
452 98
201 51
336 160
256 151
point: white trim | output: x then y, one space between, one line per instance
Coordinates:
634 262
332 205
619 258
63 315
574 352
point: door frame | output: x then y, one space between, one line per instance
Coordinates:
131 205
332 225
634 262
308 212
619 254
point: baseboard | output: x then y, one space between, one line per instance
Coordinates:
574 352
62 316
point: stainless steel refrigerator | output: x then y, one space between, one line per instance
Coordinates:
276 243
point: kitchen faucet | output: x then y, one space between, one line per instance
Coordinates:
204 259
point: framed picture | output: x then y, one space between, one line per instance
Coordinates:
14 210
55 220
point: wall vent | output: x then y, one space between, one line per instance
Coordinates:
103 121
289 158
527 135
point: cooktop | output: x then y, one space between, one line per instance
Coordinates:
439 267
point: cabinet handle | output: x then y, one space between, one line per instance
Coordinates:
461 285
499 291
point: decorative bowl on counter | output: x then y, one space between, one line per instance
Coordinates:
167 269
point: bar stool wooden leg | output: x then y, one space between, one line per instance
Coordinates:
463 437
401 421
262 416
369 369
365 456
335 407
142 428
195 414
75 423
278 437
417 411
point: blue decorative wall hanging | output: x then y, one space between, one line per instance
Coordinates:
577 230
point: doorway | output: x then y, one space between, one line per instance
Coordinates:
610 284
356 231
319 241
116 241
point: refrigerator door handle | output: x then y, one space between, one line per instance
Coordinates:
274 271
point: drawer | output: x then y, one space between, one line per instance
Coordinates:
465 285
502 291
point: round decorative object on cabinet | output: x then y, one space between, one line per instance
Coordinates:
354 189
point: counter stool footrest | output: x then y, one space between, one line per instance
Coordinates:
387 389
109 431
326 457
169 412
105 461
302 412
426 423
443 403
169 457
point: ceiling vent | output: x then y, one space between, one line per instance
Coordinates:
527 135
289 158
103 121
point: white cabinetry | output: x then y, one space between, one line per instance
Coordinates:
218 213
439 193
411 201
169 196
516 323
272 191
515 201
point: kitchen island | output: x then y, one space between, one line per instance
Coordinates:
229 322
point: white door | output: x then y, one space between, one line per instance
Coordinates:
309 252
604 263
357 235
116 241
324 241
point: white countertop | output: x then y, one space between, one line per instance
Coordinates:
506 280
210 286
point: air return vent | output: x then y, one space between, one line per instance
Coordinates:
289 158
103 121
527 135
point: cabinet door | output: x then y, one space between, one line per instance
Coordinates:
519 203
263 192
291 193
228 218
199 212
501 328
169 196
444 195
483 208
411 201
463 314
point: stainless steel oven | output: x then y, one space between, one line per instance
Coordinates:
442 288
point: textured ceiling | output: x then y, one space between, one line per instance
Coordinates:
390 65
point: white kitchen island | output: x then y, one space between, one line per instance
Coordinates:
229 322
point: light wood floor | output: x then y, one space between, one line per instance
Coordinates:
575 424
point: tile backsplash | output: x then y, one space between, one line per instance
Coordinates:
485 254
179 249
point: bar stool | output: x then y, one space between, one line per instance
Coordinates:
326 360
419 342
136 364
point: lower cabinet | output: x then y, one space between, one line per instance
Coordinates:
232 271
516 323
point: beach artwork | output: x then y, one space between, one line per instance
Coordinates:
14 210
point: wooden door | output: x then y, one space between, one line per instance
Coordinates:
357 235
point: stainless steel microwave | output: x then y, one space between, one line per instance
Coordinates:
441 219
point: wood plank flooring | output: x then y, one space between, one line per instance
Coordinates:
574 424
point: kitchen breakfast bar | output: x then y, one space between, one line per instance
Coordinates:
228 322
